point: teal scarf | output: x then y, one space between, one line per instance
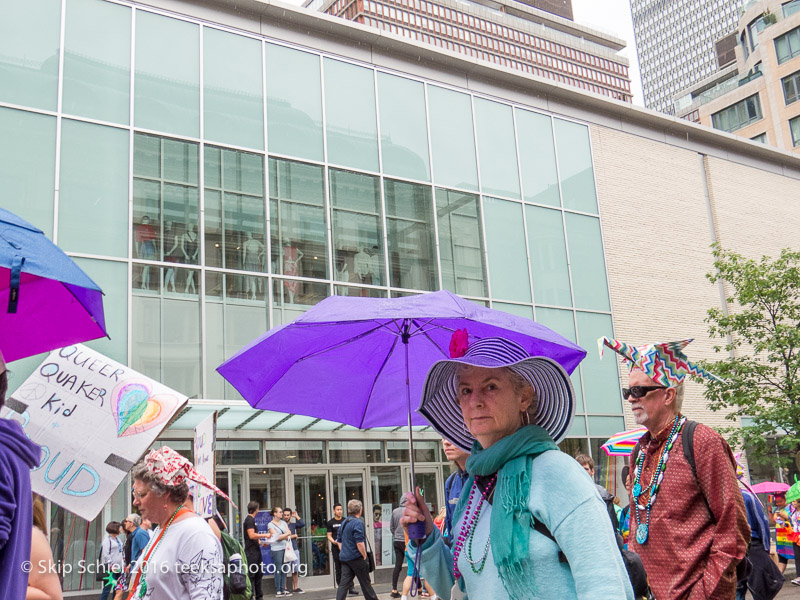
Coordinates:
512 459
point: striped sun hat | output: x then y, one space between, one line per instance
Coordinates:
555 406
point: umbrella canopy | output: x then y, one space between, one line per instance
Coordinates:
621 444
345 359
770 487
46 300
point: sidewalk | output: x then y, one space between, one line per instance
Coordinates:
382 589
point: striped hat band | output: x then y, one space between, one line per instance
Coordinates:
555 405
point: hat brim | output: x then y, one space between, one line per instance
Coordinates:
555 407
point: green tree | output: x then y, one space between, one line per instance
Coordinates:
761 329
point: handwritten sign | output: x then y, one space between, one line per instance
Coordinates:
205 435
93 418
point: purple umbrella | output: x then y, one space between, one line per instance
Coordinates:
46 300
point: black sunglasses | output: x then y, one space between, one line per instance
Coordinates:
640 391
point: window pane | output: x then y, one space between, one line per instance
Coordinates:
233 101
561 321
238 452
167 75
357 229
291 298
294 103
294 453
97 61
505 241
497 149
29 48
460 243
404 132
548 256
165 209
588 266
298 228
452 139
166 330
575 166
28 166
236 311
409 220
794 126
350 118
94 189
603 396
112 277
537 157
356 452
237 199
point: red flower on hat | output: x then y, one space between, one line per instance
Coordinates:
459 343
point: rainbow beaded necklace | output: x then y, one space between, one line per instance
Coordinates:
643 528
467 533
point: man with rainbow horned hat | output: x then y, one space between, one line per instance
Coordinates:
688 521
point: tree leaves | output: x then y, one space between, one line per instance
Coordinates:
760 333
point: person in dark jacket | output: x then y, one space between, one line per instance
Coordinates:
352 541
17 456
453 485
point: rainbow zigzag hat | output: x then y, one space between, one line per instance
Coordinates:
666 364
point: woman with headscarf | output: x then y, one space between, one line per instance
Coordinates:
529 524
183 559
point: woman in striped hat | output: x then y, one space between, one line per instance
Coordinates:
529 523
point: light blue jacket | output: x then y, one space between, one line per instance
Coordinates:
566 501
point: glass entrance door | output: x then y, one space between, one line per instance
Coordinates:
311 503
238 493
431 485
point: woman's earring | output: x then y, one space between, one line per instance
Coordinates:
526 418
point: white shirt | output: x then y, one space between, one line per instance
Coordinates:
277 530
186 564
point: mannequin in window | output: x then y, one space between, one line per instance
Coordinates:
342 274
362 265
189 249
172 253
145 247
252 258
291 256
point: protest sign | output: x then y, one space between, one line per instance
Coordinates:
94 418
205 436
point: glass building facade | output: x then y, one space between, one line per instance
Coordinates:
216 184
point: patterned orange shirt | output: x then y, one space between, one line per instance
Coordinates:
697 534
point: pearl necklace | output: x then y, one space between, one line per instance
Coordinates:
147 554
467 533
643 529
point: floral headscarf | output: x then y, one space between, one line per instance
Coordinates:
172 469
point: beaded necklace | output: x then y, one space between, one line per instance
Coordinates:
467 533
642 529
148 552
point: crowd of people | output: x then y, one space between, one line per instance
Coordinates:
521 519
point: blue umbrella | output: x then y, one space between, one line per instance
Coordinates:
46 300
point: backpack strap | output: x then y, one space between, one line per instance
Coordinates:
541 528
687 436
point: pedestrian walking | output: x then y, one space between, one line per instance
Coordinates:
252 549
687 522
398 543
352 541
333 531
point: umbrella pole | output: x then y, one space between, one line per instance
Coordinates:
416 531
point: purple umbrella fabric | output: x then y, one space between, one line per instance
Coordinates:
344 360
46 300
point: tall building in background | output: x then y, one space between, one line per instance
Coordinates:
535 36
675 41
757 93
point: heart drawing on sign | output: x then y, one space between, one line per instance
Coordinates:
136 410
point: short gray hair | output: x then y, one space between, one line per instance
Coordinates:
680 390
354 507
135 519
177 493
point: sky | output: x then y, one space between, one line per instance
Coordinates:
614 17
